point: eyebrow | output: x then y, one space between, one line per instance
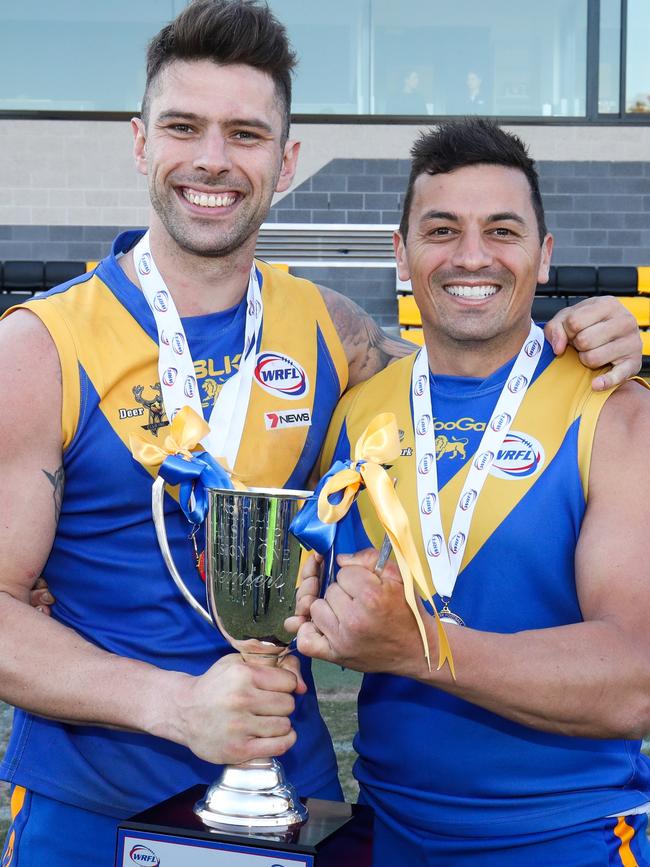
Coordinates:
500 217
254 123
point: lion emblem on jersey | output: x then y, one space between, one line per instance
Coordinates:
211 389
452 447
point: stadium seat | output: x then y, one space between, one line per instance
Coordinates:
645 342
408 311
617 280
639 308
549 288
9 299
545 308
414 335
577 280
23 276
643 280
61 272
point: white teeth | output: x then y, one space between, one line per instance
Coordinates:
483 291
205 200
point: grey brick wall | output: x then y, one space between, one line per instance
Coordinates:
599 213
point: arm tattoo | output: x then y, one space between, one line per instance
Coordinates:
367 347
57 479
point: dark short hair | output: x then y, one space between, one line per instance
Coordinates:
468 142
226 32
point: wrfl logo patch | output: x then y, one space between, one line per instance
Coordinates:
281 376
143 855
519 456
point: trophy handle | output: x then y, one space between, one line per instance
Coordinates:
157 498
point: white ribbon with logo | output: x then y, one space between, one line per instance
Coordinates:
444 558
176 366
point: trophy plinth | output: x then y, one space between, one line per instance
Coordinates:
252 797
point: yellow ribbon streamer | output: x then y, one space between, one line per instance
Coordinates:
377 445
184 435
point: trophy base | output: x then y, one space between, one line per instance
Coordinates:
172 835
253 797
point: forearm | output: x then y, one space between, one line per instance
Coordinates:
584 680
50 670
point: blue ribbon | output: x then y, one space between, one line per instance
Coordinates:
307 527
194 476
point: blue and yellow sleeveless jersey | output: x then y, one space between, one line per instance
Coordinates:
105 569
428 759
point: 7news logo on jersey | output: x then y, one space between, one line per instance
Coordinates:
282 419
281 376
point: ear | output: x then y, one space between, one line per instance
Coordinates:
289 166
139 141
545 260
400 257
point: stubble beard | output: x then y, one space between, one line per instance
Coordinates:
214 242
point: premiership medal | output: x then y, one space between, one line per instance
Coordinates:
445 557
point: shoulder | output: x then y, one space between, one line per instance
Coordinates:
621 440
368 348
30 387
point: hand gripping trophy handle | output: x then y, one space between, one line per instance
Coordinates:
252 564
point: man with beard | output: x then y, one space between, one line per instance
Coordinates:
125 696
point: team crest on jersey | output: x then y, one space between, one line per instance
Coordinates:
152 405
519 456
281 376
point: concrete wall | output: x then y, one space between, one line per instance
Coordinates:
69 187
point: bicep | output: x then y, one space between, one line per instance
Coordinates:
368 348
31 471
612 561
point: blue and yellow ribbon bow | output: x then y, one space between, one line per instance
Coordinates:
179 463
315 525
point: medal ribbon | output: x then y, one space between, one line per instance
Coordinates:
315 524
176 366
445 558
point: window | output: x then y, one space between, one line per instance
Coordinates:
637 79
72 55
522 60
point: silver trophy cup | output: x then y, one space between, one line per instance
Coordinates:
252 564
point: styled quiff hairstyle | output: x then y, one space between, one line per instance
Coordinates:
226 32
470 141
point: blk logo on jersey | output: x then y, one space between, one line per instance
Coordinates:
519 456
281 419
281 376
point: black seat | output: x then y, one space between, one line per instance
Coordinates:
577 280
549 288
23 276
61 272
9 299
617 280
546 308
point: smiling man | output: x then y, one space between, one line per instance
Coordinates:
532 535
125 696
